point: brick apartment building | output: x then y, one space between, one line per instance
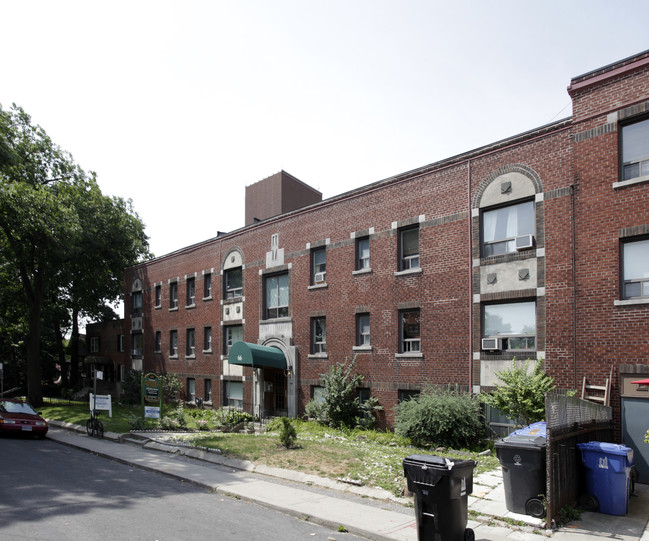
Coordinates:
536 246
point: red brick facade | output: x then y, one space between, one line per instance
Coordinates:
566 176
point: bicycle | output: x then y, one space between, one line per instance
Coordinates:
94 427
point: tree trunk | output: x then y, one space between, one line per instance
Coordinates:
33 350
74 350
65 379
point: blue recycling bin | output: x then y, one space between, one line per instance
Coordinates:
608 475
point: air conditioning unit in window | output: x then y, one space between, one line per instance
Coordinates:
319 277
524 242
492 344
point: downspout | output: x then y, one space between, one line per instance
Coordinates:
470 222
574 287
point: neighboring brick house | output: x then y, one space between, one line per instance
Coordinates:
106 351
536 246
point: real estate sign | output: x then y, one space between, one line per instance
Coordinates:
151 395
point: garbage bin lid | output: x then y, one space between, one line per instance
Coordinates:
607 448
523 441
437 462
535 429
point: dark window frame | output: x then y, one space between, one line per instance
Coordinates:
280 310
410 261
408 345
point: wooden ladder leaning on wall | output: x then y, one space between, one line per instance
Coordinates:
597 393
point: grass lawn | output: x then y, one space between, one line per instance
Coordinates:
368 457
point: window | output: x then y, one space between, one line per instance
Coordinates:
137 303
277 294
233 394
233 334
173 295
407 394
191 390
318 266
207 387
120 342
137 345
190 347
94 344
317 393
409 332
158 296
635 265
318 335
233 283
191 291
207 286
207 339
635 150
514 322
363 253
362 329
158 341
409 248
173 343
501 226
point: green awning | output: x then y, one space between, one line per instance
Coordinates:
255 356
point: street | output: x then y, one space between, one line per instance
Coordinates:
52 492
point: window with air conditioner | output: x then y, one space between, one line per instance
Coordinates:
509 326
233 283
635 150
635 269
508 229
318 266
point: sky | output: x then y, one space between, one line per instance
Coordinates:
180 105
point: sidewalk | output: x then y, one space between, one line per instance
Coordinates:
368 513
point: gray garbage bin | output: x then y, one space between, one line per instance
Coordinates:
441 486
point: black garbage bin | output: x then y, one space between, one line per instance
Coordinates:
441 486
522 458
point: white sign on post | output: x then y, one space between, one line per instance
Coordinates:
101 402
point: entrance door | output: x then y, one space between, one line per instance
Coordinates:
635 422
275 392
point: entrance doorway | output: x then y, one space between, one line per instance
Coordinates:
275 393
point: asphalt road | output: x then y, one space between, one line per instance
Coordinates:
56 493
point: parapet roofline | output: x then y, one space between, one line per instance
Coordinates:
609 71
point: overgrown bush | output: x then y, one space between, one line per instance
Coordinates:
441 417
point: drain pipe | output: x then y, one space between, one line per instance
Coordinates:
470 222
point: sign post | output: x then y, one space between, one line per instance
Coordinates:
2 379
151 396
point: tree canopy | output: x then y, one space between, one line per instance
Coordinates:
63 241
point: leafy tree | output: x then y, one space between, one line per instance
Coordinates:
522 395
51 215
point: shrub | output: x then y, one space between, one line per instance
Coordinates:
287 433
441 417
522 397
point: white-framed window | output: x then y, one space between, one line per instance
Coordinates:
233 394
635 150
173 343
233 283
190 345
94 344
191 390
512 322
191 291
318 335
207 285
409 248
319 265
635 269
207 339
233 334
501 226
363 253
362 329
277 296
137 340
173 295
409 331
